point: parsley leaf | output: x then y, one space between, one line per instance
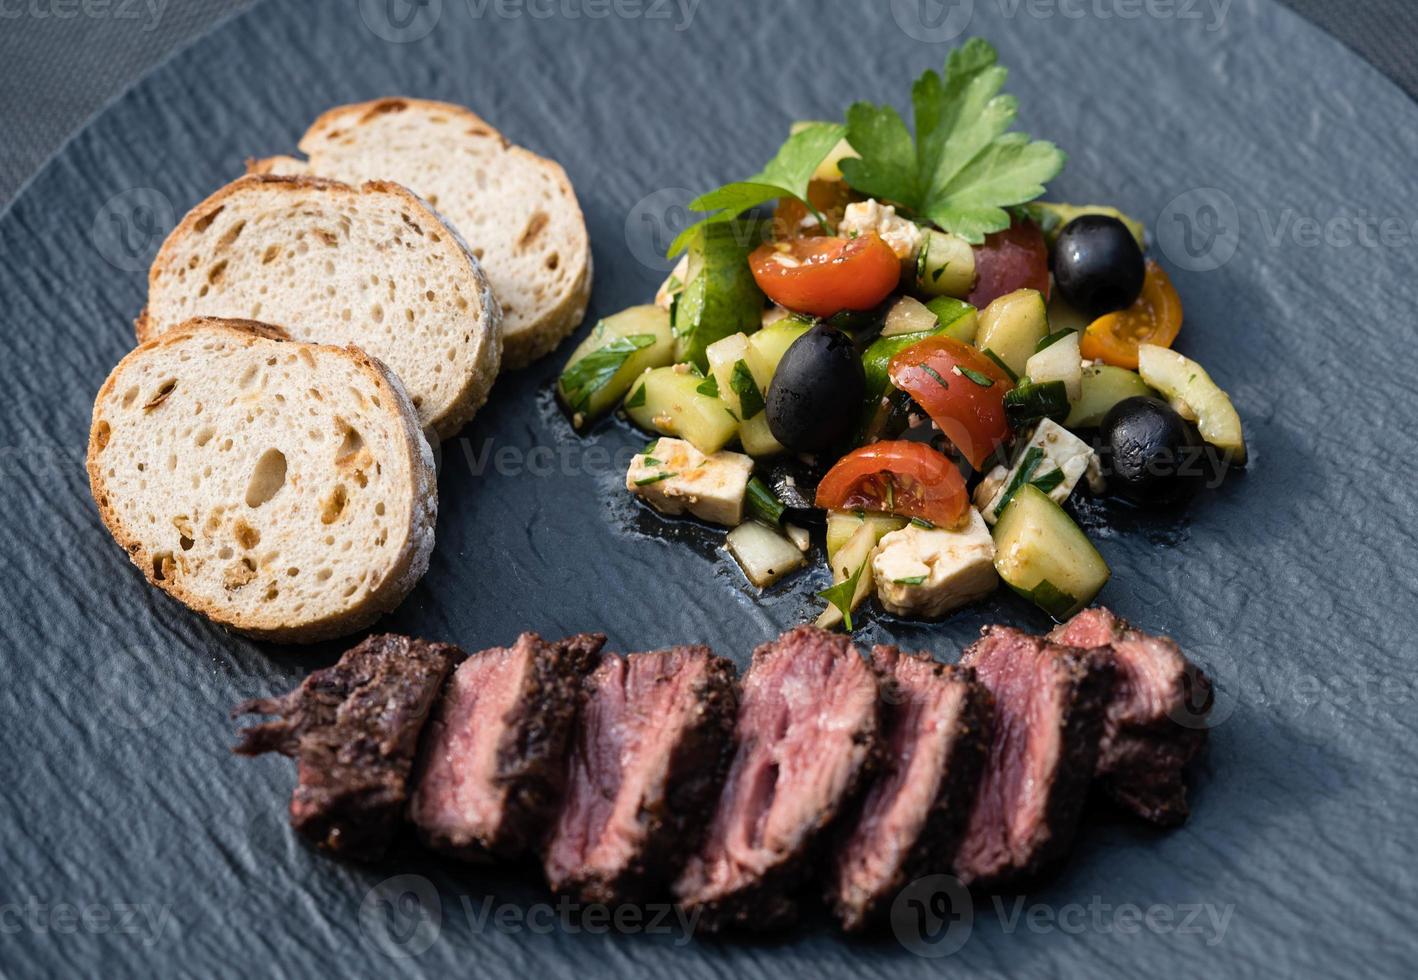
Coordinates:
983 380
913 580
591 373
840 595
786 175
709 386
1049 481
964 167
750 398
647 481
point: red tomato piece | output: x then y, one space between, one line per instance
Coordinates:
1016 258
962 391
909 479
822 276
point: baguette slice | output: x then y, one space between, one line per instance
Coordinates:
330 263
280 488
518 210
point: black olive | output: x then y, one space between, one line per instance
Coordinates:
1098 266
1150 453
816 392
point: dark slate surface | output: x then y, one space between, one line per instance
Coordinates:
134 842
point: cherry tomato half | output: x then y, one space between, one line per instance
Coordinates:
791 218
961 390
1156 318
909 479
823 276
1016 258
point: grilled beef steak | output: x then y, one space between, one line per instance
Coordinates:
936 733
647 759
1050 703
491 765
353 730
1155 719
806 733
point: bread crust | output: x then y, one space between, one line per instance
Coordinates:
534 339
414 557
478 384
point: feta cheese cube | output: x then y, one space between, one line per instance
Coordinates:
904 236
927 572
1062 452
675 478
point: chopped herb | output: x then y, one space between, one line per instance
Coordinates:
652 461
935 374
913 580
710 387
963 168
654 479
1008 371
591 373
841 594
983 380
922 522
650 447
935 276
750 398
1022 475
637 398
1049 481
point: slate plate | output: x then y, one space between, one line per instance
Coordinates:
133 841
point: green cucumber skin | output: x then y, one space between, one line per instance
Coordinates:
721 297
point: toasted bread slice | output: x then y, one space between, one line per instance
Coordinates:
372 266
283 489
517 210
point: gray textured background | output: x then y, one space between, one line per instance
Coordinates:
55 71
1293 584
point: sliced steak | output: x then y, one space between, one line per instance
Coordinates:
936 733
1050 703
807 734
492 762
647 759
1156 716
353 730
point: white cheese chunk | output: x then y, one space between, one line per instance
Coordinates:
675 478
1062 452
927 572
904 236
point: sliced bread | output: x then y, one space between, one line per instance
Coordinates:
283 489
517 210
330 263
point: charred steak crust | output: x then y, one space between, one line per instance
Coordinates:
766 833
1080 682
525 775
1156 716
859 899
681 753
353 730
